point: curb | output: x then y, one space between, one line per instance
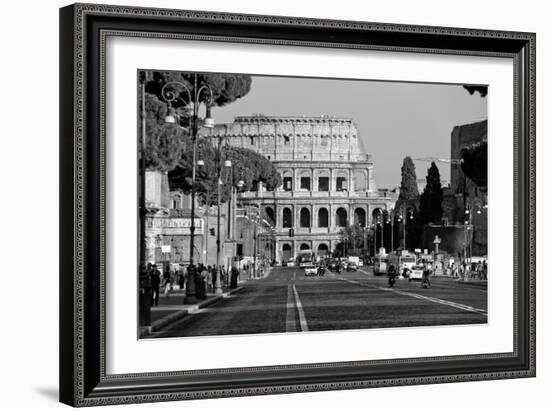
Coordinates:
169 319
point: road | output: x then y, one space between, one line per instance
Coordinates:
288 301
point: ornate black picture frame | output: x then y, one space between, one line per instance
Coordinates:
83 31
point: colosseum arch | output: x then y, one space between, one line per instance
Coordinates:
287 253
287 217
341 217
305 218
305 180
288 180
322 217
322 250
360 216
270 214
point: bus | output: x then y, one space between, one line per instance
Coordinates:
380 264
305 258
404 261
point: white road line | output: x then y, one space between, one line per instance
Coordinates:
437 300
301 315
423 297
290 320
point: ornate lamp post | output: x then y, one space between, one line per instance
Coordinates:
403 218
392 217
172 93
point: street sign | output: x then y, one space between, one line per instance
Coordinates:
437 240
165 248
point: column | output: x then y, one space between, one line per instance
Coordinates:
294 141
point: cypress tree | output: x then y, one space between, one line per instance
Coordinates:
408 190
432 197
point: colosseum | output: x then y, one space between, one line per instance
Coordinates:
328 180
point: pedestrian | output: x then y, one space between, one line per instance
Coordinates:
204 274
167 281
154 276
234 277
485 269
391 275
182 278
210 278
425 277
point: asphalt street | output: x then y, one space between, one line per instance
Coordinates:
288 301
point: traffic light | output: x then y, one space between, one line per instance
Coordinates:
212 231
291 232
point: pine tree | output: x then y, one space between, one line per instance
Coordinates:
432 197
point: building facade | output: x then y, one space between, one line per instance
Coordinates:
168 227
328 180
465 204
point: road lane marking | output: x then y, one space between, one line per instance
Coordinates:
436 300
290 320
421 297
301 315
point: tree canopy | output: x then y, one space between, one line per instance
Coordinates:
226 88
164 143
482 90
408 190
431 199
474 164
247 165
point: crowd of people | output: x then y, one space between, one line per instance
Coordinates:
465 270
204 281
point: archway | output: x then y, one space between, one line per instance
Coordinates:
287 252
270 214
360 217
287 217
322 250
322 217
305 218
304 246
341 217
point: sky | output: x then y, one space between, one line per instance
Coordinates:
395 119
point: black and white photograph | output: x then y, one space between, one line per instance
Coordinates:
273 204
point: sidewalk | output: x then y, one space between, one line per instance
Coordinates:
171 308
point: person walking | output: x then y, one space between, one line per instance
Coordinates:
154 276
167 281
203 281
391 275
425 277
234 277
210 278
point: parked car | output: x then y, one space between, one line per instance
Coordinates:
416 272
290 263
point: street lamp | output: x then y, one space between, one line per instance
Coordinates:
403 218
392 217
227 163
172 93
